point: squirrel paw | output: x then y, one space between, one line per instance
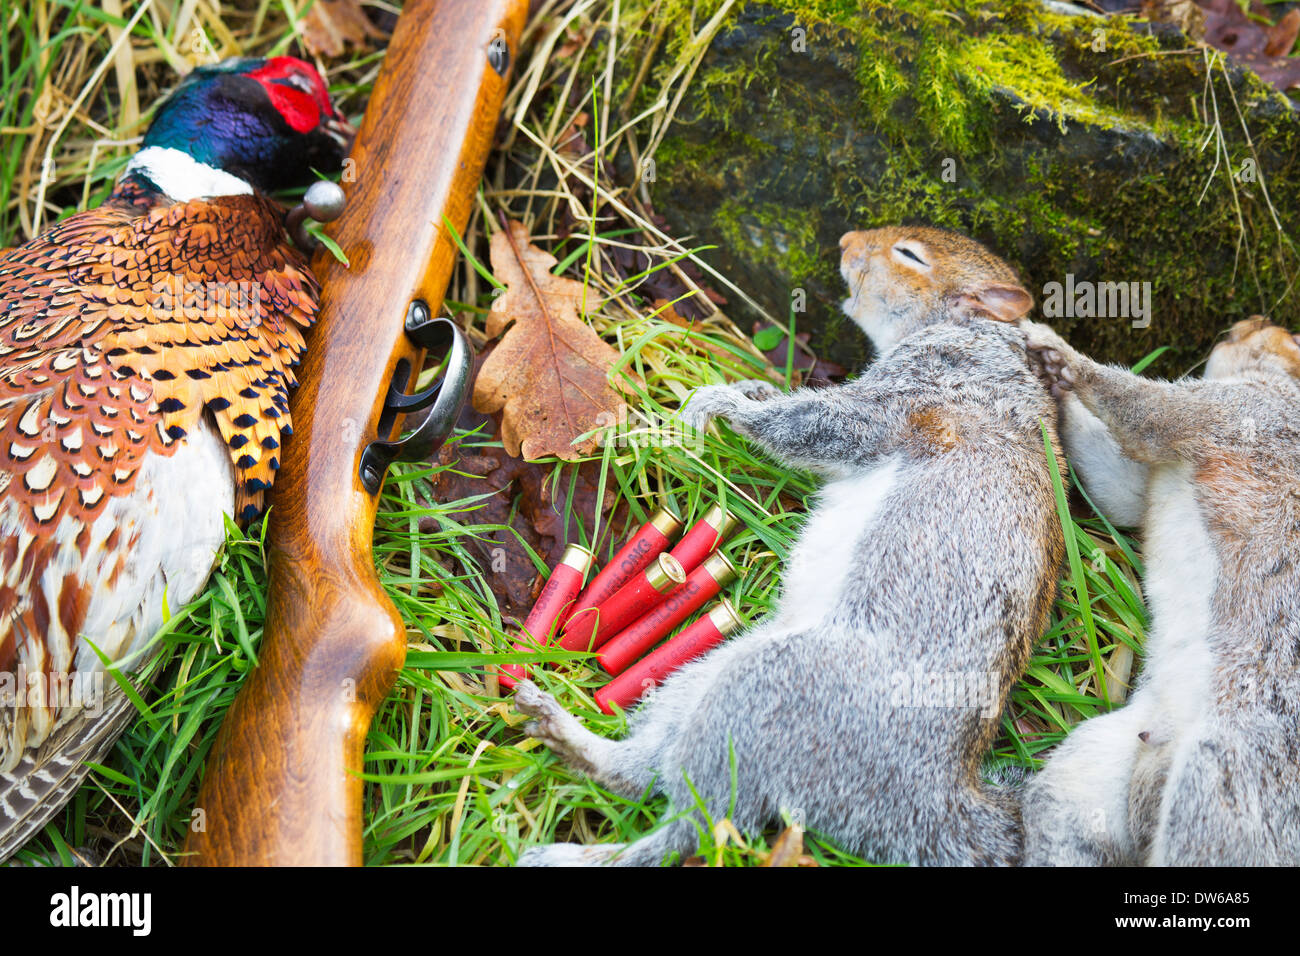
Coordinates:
553 725
545 731
1050 357
568 854
1040 336
720 401
532 700
707 403
757 389
550 716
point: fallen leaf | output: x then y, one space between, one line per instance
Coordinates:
332 26
669 314
1228 28
1282 35
505 563
788 848
1028 728
1281 72
572 144
521 500
1187 15
548 374
1249 38
574 41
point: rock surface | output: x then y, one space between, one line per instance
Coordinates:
1073 145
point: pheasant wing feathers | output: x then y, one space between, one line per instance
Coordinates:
45 778
121 327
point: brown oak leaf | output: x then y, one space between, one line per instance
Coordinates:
548 375
1282 35
527 509
332 26
519 497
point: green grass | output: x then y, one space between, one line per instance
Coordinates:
450 778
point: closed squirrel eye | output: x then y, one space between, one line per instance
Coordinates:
906 252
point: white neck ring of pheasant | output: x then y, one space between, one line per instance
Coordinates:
181 177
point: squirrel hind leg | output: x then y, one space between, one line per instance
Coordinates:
678 836
568 854
1224 803
626 767
556 727
1076 809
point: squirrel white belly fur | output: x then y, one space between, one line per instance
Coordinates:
1200 767
931 558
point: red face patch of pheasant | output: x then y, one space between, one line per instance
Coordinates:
297 92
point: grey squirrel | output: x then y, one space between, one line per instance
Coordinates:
918 586
1202 765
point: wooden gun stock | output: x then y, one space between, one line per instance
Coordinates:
281 785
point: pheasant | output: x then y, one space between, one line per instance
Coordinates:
146 356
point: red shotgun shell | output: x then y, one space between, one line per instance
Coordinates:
646 545
539 627
629 602
702 584
703 539
697 640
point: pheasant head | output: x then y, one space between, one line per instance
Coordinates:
240 125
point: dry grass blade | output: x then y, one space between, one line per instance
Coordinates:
787 850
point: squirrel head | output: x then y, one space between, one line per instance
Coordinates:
1255 345
902 278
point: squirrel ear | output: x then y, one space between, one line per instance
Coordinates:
1005 303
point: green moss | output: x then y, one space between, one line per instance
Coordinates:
778 237
1067 144
1034 76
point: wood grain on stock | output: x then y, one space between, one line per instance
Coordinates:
280 786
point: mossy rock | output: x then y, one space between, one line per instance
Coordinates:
1070 145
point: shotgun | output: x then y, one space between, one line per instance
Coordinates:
281 785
